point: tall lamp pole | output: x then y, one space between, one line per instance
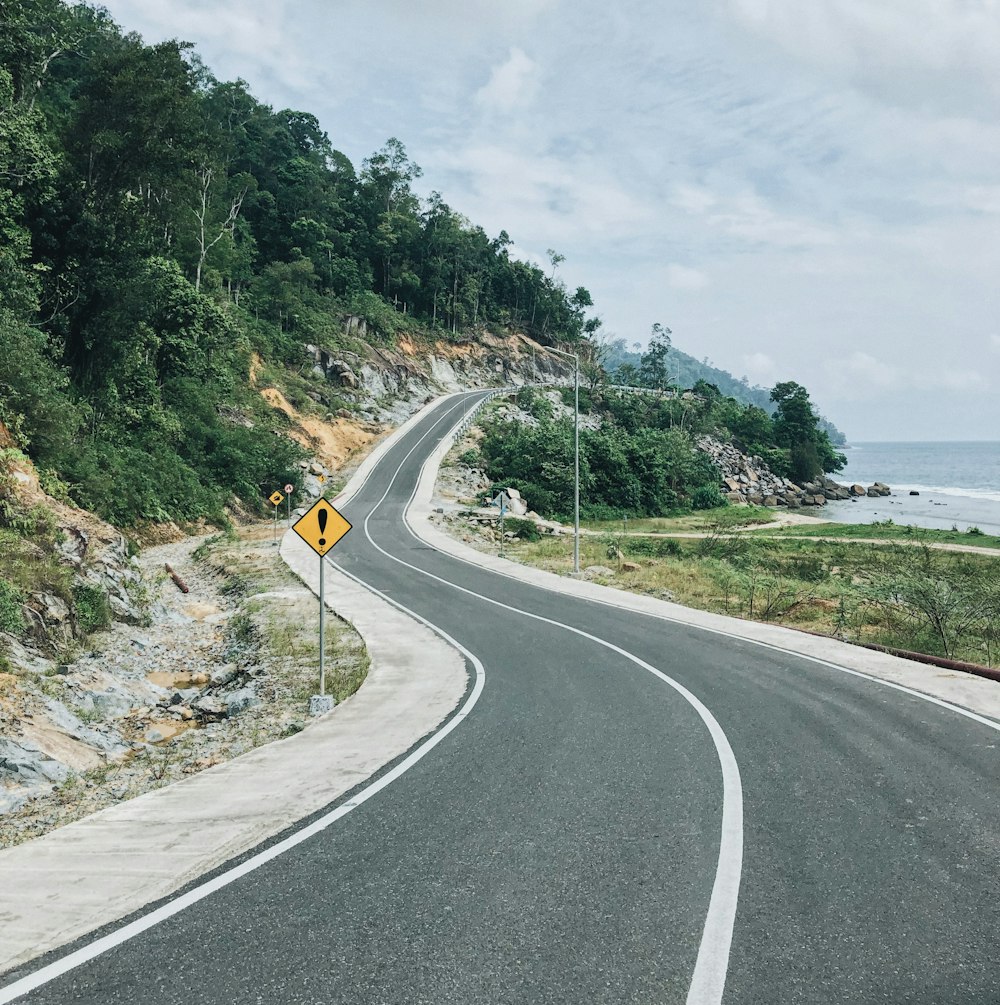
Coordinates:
576 459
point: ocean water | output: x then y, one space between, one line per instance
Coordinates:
958 484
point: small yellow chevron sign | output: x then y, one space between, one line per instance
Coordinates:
321 527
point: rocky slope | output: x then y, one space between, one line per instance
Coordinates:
747 479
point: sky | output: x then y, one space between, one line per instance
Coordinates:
801 191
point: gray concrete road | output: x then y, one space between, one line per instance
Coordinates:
624 809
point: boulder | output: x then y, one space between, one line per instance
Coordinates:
771 501
857 490
595 571
819 499
630 567
27 763
240 701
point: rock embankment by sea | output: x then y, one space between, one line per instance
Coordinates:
748 479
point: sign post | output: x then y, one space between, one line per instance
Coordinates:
289 489
503 501
276 500
321 527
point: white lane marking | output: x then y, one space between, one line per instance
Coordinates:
975 716
711 966
57 968
348 492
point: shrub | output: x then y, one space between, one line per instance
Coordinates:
708 497
471 458
93 612
655 547
11 619
526 530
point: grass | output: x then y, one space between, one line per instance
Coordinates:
886 530
729 517
846 589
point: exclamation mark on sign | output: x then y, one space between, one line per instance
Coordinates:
321 516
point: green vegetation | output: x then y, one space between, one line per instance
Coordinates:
11 598
159 227
93 613
642 460
913 598
686 371
886 530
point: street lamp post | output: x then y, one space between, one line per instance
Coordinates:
576 459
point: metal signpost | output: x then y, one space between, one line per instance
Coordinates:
503 501
276 499
289 489
321 527
576 457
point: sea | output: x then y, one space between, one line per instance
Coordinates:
940 485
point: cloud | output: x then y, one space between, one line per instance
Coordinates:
750 219
995 343
861 372
680 277
512 84
759 367
944 378
692 199
939 54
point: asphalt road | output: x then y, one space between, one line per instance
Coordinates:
562 844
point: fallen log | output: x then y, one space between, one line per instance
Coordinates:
181 585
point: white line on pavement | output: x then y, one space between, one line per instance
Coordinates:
709 978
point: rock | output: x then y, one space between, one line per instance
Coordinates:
770 500
819 499
209 707
27 763
872 492
225 674
73 547
857 490
914 493
320 704
240 701
11 801
630 566
595 571
199 679
54 610
882 489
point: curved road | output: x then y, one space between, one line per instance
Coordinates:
621 797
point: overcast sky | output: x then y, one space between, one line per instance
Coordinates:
801 189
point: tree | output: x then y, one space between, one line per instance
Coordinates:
797 429
653 366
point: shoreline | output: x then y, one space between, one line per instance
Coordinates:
933 510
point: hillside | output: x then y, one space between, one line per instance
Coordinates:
686 371
166 236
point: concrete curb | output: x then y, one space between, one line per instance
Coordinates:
58 887
976 694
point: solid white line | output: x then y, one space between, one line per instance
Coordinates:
709 978
967 713
94 949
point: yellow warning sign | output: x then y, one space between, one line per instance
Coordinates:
276 497
321 527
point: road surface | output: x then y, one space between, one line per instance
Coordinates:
626 811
